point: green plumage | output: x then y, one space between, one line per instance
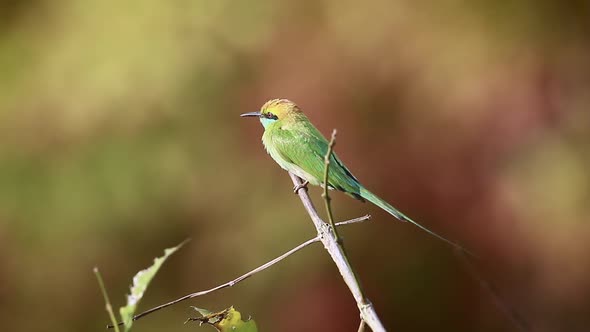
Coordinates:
298 147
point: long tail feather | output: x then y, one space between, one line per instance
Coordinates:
402 217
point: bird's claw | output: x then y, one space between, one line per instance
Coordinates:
300 186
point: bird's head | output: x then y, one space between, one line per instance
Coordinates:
276 111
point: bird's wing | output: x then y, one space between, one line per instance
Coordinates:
307 149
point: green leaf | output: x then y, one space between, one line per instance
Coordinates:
203 312
228 320
233 322
140 284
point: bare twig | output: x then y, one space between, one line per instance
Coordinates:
242 277
325 195
353 221
362 326
107 301
331 244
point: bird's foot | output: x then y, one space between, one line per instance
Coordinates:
300 186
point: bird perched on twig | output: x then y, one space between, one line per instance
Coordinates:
299 147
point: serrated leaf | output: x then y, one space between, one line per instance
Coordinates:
140 283
233 323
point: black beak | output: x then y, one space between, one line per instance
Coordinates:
256 114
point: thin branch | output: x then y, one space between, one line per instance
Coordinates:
325 195
331 244
353 221
362 326
107 301
328 205
242 277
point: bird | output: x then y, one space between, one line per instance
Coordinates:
300 148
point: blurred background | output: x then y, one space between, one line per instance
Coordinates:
120 136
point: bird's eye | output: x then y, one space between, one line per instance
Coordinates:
269 115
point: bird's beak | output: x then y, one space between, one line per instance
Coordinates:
256 114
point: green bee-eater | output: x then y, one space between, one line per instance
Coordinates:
298 147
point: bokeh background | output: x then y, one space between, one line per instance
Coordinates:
120 136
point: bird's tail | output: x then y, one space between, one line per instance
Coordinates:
402 217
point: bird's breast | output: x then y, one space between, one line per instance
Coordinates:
286 164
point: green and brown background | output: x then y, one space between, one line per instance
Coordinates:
120 136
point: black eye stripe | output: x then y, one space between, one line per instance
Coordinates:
269 115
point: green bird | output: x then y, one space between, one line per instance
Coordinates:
299 147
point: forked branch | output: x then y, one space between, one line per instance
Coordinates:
327 234
244 276
332 243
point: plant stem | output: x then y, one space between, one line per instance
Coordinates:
108 306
